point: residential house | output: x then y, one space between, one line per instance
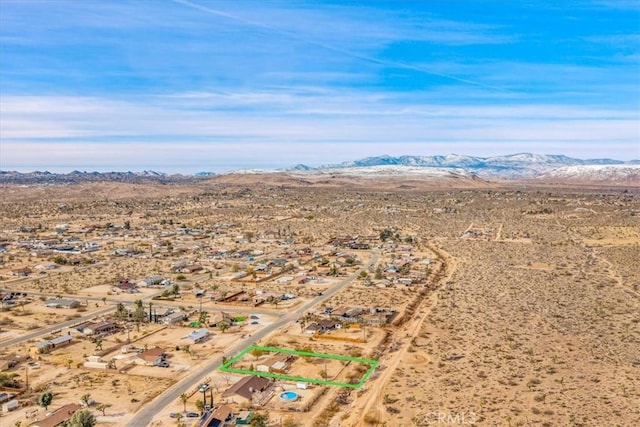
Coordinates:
301 280
47 345
245 389
96 362
305 251
127 286
174 318
11 360
62 303
46 266
217 417
221 317
328 325
278 262
99 328
123 252
198 335
278 364
261 268
313 328
192 268
151 357
359 245
22 272
58 417
322 326
152 280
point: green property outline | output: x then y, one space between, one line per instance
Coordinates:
227 366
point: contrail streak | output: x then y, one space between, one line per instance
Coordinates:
345 52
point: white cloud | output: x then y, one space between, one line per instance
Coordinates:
190 131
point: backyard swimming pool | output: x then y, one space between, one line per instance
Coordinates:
289 395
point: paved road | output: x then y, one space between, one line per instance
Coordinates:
171 395
73 322
48 330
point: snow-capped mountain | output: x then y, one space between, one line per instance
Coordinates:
623 174
390 171
521 165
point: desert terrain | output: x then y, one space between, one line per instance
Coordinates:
483 302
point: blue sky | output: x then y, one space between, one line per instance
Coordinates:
195 85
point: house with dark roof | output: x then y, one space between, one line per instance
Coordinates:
152 356
217 417
245 389
99 328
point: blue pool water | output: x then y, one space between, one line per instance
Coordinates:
288 395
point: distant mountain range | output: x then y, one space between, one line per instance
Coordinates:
522 165
46 177
513 166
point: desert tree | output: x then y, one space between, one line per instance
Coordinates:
223 326
85 399
103 407
200 406
260 419
82 418
45 399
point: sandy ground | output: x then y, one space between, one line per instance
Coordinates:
533 323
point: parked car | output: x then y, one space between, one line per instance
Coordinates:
163 364
204 387
192 415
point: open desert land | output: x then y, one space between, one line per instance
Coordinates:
481 303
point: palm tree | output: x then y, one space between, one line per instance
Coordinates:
183 399
139 314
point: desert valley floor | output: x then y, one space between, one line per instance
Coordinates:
481 303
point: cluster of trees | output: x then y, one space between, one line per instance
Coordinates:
82 418
9 380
